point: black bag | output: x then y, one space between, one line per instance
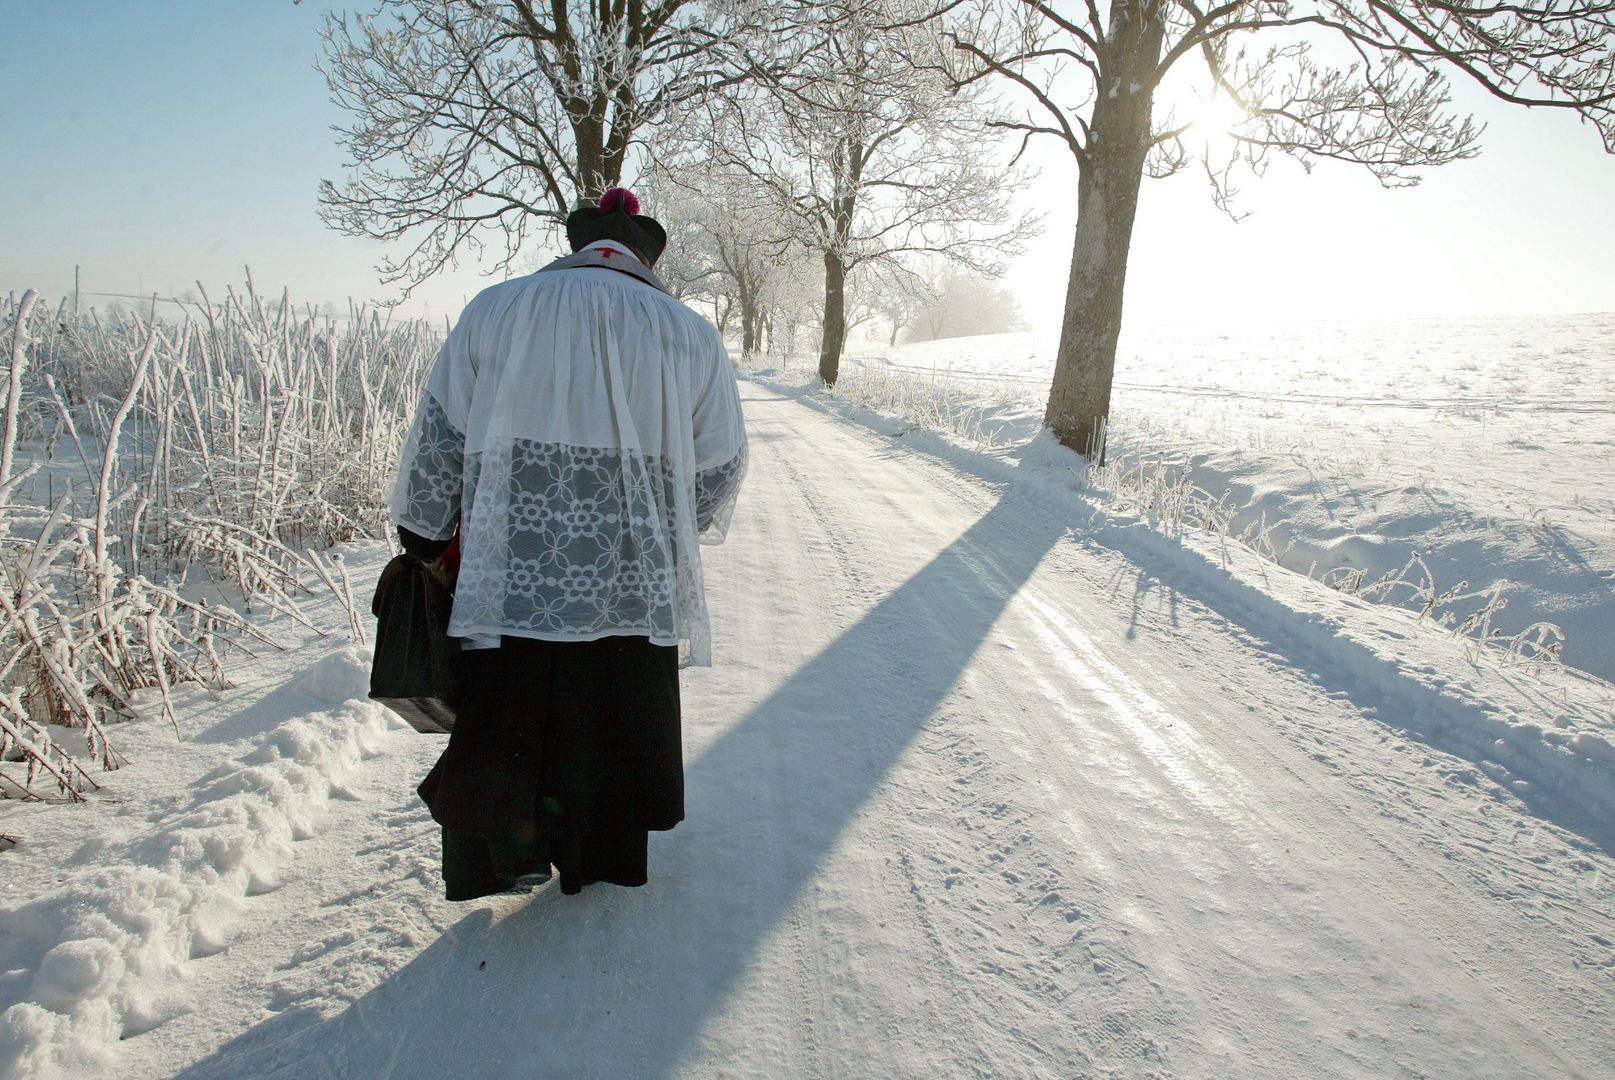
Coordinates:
416 670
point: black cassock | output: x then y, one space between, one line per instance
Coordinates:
565 754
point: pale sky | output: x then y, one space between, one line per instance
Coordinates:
159 143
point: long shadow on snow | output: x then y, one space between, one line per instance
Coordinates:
619 983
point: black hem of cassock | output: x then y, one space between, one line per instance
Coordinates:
565 754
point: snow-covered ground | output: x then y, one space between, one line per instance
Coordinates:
985 781
1487 446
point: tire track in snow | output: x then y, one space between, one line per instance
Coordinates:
1020 875
813 1059
1059 985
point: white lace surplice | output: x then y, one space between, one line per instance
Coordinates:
587 428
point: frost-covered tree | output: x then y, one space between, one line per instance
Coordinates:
685 266
480 120
1358 81
898 310
870 154
869 289
733 242
791 301
963 304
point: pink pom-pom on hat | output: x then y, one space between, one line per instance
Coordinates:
618 198
602 221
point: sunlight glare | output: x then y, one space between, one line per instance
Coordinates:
1220 115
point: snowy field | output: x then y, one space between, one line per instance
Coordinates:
990 777
1485 446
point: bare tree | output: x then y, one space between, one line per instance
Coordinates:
686 265
963 304
744 236
871 288
731 242
898 310
790 302
1358 81
869 153
484 119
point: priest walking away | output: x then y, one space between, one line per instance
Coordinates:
582 431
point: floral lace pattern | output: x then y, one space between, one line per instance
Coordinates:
428 496
569 542
715 491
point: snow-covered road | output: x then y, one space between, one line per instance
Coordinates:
969 794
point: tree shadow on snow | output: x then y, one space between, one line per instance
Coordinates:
623 983
1143 586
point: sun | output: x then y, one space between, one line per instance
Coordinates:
1206 118
1215 117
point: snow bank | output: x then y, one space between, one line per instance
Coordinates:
1547 739
104 955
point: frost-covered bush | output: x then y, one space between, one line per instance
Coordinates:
140 454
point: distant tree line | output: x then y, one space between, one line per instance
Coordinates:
815 158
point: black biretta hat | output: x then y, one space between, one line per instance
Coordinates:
617 217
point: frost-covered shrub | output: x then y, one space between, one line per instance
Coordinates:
969 409
235 440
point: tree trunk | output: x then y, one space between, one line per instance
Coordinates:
1079 399
1111 169
748 325
835 317
748 287
588 134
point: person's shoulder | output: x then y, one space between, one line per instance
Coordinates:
680 314
531 286
695 323
496 295
543 286
699 323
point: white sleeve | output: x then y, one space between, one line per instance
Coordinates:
720 447
426 495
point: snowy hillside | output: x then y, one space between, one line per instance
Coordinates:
988 779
